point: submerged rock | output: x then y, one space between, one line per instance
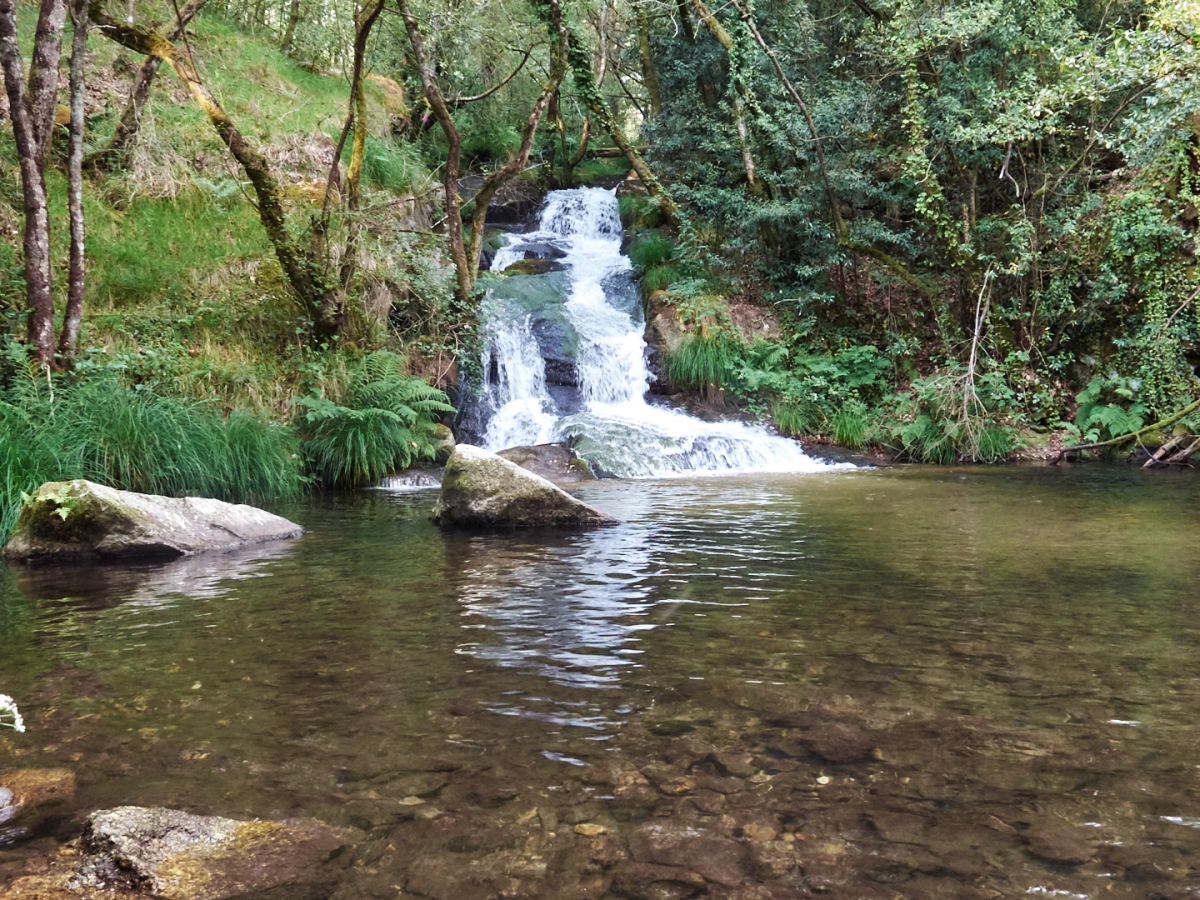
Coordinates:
27 788
533 267
483 490
554 462
179 856
78 520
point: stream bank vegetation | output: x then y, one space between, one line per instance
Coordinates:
970 229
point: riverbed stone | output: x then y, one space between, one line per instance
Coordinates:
80 521
175 855
533 266
554 462
483 490
681 845
1060 843
24 789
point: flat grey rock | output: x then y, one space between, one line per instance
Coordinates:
74 521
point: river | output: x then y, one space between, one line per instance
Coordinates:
897 682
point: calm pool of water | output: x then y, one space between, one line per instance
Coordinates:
879 683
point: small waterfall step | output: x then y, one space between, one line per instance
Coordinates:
566 360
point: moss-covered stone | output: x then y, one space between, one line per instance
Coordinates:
80 521
482 490
178 856
533 267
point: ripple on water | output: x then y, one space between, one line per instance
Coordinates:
832 683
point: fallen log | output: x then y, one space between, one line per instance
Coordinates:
1157 426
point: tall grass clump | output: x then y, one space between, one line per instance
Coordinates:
383 421
391 167
136 440
704 362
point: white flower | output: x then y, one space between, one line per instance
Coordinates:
9 705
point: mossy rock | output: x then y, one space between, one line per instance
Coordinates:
554 462
73 521
533 267
482 490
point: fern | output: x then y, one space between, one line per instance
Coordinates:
383 423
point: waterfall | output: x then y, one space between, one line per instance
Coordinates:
597 402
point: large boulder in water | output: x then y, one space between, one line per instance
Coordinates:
483 490
74 521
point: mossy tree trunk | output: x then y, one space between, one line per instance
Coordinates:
739 92
551 13
365 16
580 58
31 113
73 314
649 77
437 103
289 33
305 273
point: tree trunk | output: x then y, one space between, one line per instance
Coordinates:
31 126
304 273
462 270
43 72
839 227
569 163
649 78
131 117
585 86
289 33
491 184
73 315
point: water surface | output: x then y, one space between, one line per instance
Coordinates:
878 683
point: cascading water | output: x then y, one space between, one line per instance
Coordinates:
597 403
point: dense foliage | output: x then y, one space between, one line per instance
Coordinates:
973 223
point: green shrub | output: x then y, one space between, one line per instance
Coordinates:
945 419
1108 408
383 422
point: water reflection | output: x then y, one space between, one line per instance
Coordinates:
570 610
102 586
933 681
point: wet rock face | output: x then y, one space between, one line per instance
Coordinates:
76 521
28 788
554 462
533 266
178 856
482 490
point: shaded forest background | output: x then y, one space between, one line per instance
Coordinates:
966 228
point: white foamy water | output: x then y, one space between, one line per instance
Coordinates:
610 423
